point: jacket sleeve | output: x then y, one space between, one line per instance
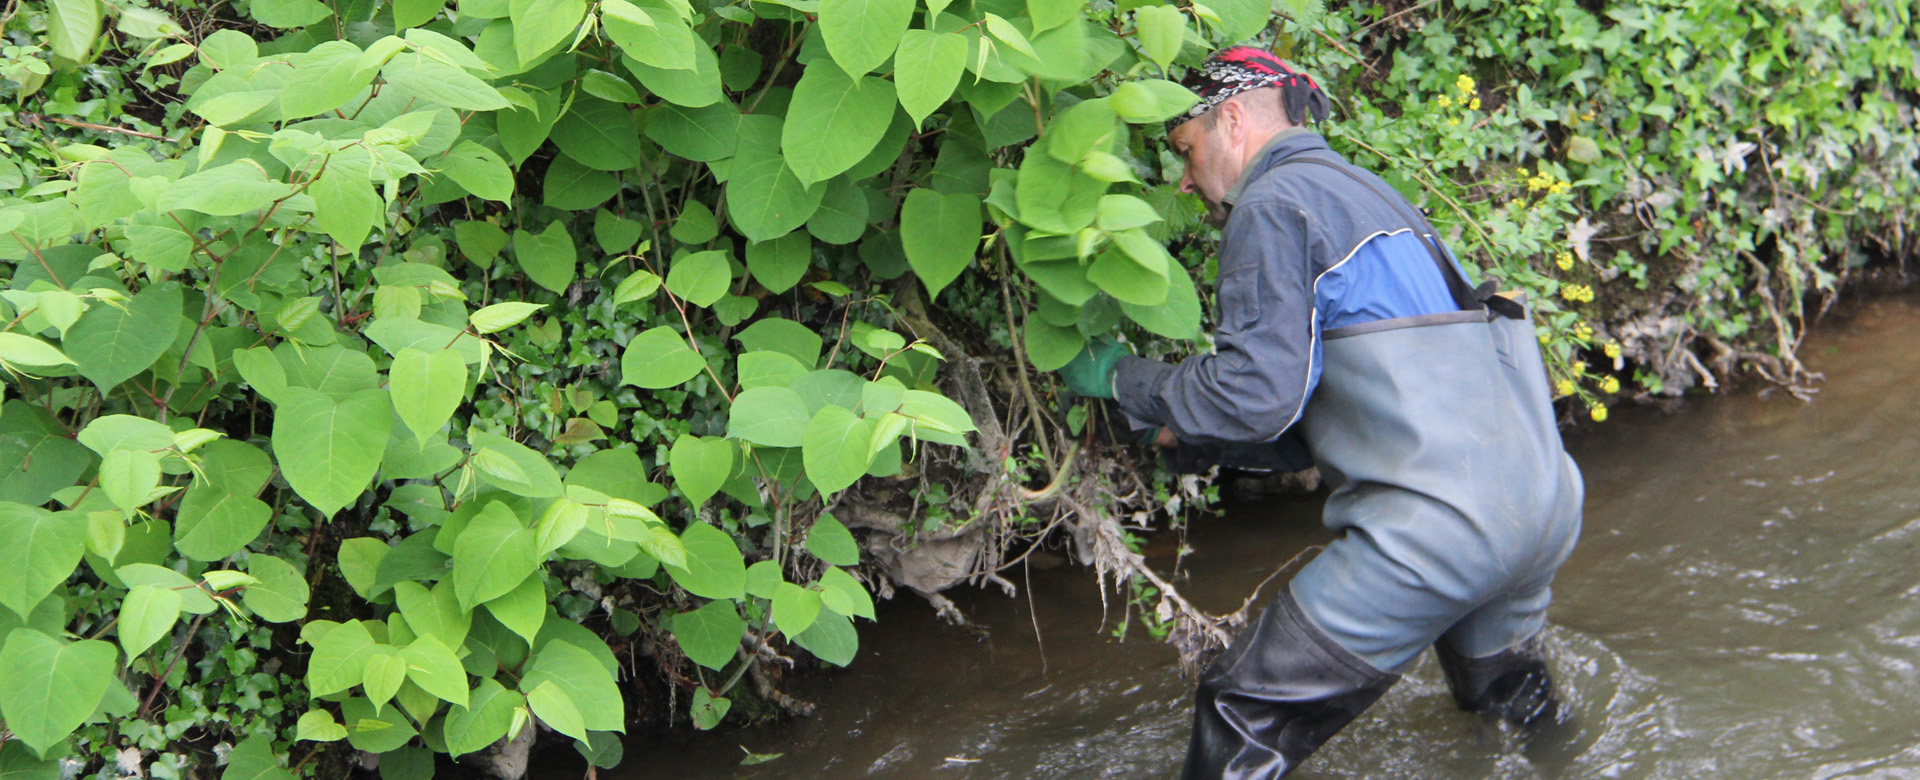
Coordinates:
1256 381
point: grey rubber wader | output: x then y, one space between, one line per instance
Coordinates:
1455 503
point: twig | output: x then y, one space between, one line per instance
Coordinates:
91 126
1388 18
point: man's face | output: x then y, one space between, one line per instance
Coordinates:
1212 168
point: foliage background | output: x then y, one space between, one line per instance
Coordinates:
398 375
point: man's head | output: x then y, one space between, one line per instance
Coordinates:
1246 96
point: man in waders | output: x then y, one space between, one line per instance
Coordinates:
1423 401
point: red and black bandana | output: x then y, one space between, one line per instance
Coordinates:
1236 69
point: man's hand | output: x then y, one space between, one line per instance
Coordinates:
1090 373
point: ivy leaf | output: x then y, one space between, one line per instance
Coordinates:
769 416
330 449
426 388
700 466
548 257
860 34
926 68
940 232
41 551
492 556
834 448
700 278
711 634
714 567
835 121
659 358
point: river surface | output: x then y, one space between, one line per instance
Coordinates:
1744 603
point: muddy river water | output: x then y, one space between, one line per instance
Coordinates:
1744 603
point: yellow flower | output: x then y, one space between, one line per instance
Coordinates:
1446 101
1564 260
1560 187
1563 387
1611 385
1475 105
1613 350
1544 338
1453 121
1537 183
1583 333
1586 117
1579 367
1464 84
1599 414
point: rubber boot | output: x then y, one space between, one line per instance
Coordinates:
1281 690
1513 685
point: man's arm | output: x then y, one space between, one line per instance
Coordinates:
1254 384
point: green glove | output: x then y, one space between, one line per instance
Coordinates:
1090 373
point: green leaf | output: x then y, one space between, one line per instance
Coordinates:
539 25
835 121
192 598
427 388
794 608
214 523
322 79
548 256
484 721
926 68
51 687
659 358
650 32
1162 30
1582 149
785 336
700 278
492 556
781 263
480 171
599 134
432 665
1050 346
371 731
111 345
609 87
385 673
845 595
705 134
147 615
830 541
557 710
413 13
696 224
584 681
842 215
416 76
637 285
1176 318
764 579
835 449
700 466
339 659
1124 212
319 726
765 199
17 762
1004 31
329 450
769 416
281 595
72 27
226 191
288 14
940 232
693 88
830 638
1152 100
860 34
227 48
128 477
522 609
29 351
1054 197
1079 130
714 569
436 613
710 635
707 710
768 369
253 759
344 202
41 551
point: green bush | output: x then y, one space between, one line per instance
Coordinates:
396 374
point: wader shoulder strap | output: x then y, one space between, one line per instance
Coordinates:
1464 295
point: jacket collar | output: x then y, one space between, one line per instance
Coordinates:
1282 145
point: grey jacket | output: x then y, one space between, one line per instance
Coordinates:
1290 226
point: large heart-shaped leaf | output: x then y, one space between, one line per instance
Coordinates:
329 450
